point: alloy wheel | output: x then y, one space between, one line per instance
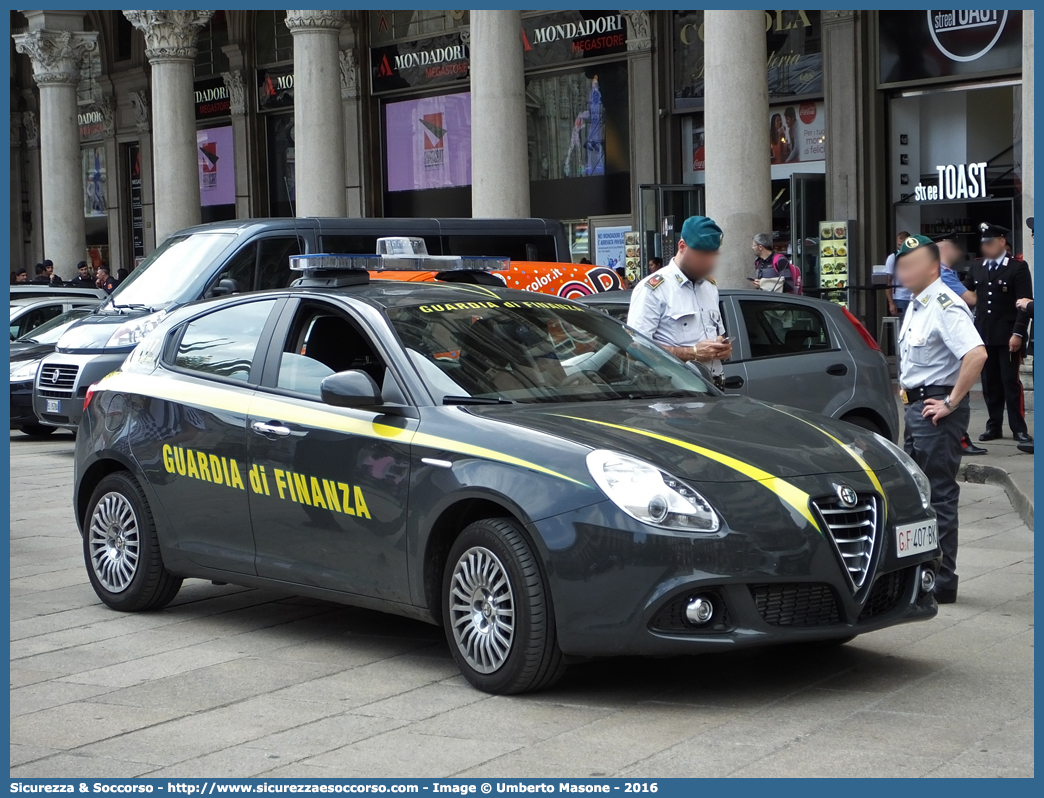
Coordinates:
482 609
114 542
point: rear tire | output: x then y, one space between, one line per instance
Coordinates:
497 611
121 550
865 423
38 430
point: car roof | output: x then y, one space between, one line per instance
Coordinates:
26 301
30 291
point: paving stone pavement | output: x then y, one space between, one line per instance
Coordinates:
235 682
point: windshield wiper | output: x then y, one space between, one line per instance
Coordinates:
476 400
134 306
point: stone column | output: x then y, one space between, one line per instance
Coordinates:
170 45
1027 133
241 134
354 131
499 145
56 56
641 104
318 114
739 181
18 179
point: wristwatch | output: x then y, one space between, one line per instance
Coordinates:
946 402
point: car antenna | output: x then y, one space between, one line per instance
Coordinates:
293 210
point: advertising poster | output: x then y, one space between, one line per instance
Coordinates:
136 203
93 182
833 261
611 246
429 142
217 178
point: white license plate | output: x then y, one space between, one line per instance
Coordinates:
917 538
54 405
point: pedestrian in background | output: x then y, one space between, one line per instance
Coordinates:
897 295
999 281
655 264
21 277
771 267
678 305
621 272
55 280
42 277
940 358
103 281
83 277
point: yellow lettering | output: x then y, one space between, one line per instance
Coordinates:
360 503
317 495
290 484
425 309
179 460
805 21
331 495
280 483
346 505
192 472
215 469
255 480
224 470
168 458
301 483
204 469
237 480
264 480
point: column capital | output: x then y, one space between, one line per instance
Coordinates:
236 91
56 55
169 35
349 75
638 36
314 21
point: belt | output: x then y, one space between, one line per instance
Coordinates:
911 395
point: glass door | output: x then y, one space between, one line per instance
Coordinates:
807 209
661 212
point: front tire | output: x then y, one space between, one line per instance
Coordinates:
121 550
497 611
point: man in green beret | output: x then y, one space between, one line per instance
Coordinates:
940 357
678 305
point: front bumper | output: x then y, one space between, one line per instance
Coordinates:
59 403
22 404
621 588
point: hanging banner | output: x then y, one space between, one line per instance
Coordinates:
93 159
217 176
429 142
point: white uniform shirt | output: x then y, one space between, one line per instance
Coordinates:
673 310
899 293
937 332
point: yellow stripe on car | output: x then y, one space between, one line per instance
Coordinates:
287 410
790 494
852 452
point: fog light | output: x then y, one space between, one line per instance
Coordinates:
699 610
927 580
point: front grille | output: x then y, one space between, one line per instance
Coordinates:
886 593
854 532
799 604
57 381
671 617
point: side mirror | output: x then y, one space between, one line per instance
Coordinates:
702 369
350 389
225 287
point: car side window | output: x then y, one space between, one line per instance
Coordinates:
33 319
273 268
238 274
783 328
320 342
223 343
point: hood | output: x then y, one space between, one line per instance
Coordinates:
27 350
707 439
92 332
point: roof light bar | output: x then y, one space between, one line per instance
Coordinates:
399 255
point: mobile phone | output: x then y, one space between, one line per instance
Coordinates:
752 279
726 340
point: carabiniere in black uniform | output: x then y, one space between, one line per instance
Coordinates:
998 282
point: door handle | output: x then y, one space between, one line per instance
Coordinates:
261 428
735 381
837 370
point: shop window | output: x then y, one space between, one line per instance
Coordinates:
273 42
282 190
210 60
223 343
124 38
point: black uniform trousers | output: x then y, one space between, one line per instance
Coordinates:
937 450
1001 388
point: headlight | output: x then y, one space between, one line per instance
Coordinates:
23 370
134 330
649 495
924 487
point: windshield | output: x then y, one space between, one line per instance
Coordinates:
536 352
168 272
50 332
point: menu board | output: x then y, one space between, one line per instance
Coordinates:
633 253
833 262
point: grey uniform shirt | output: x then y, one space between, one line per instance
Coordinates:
937 332
673 310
